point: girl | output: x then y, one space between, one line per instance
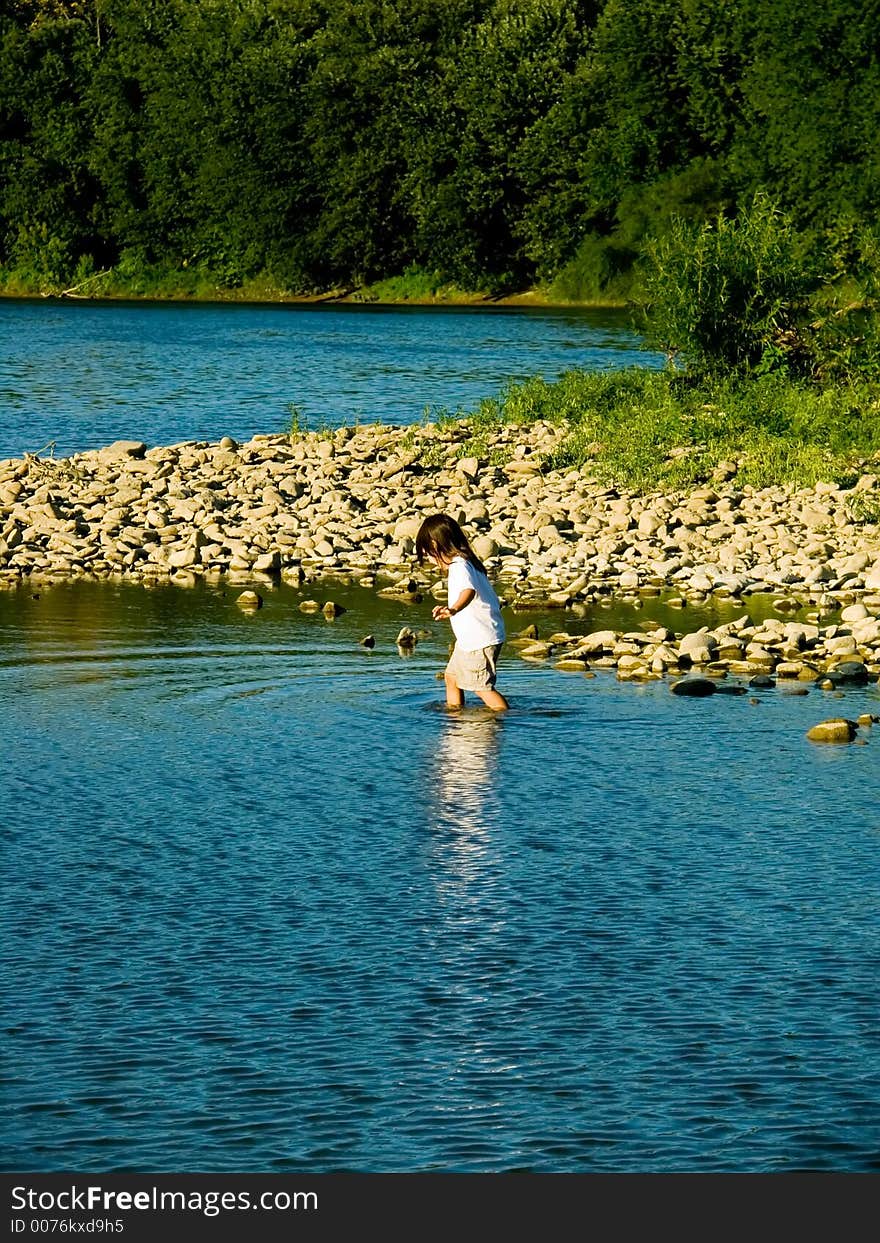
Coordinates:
473 611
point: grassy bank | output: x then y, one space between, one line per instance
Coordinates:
648 430
136 282
414 287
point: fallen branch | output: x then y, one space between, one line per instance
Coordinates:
71 292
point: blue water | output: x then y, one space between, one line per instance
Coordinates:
268 907
78 375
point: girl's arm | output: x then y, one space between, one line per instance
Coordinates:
442 611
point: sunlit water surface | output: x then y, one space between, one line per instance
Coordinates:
78 375
268 907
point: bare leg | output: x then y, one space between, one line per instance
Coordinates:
454 695
494 700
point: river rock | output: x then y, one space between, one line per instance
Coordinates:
249 600
789 669
537 650
698 641
696 688
268 563
353 501
698 654
762 682
849 673
837 729
854 613
485 547
122 449
598 641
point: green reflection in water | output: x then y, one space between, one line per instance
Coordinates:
43 622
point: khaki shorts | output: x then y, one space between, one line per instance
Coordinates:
474 671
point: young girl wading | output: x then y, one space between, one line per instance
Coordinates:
473 611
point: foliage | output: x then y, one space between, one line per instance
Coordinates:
659 429
321 144
729 293
414 285
864 508
297 426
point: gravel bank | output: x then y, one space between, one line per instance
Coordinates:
352 502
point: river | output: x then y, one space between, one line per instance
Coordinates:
78 375
269 907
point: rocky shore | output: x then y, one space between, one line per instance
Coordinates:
351 501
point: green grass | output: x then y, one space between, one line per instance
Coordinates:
864 507
414 285
132 277
662 430
650 430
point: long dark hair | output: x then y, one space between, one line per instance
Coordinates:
441 535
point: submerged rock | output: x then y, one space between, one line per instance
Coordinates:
849 673
694 687
762 682
837 729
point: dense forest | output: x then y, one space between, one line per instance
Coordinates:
493 144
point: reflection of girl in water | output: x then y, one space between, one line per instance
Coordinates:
473 611
464 793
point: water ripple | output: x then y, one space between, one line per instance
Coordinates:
83 374
269 908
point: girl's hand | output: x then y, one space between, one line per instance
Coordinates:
440 612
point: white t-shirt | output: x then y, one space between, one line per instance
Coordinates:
479 624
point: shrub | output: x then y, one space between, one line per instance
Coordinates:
729 294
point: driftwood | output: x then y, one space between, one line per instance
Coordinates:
72 291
